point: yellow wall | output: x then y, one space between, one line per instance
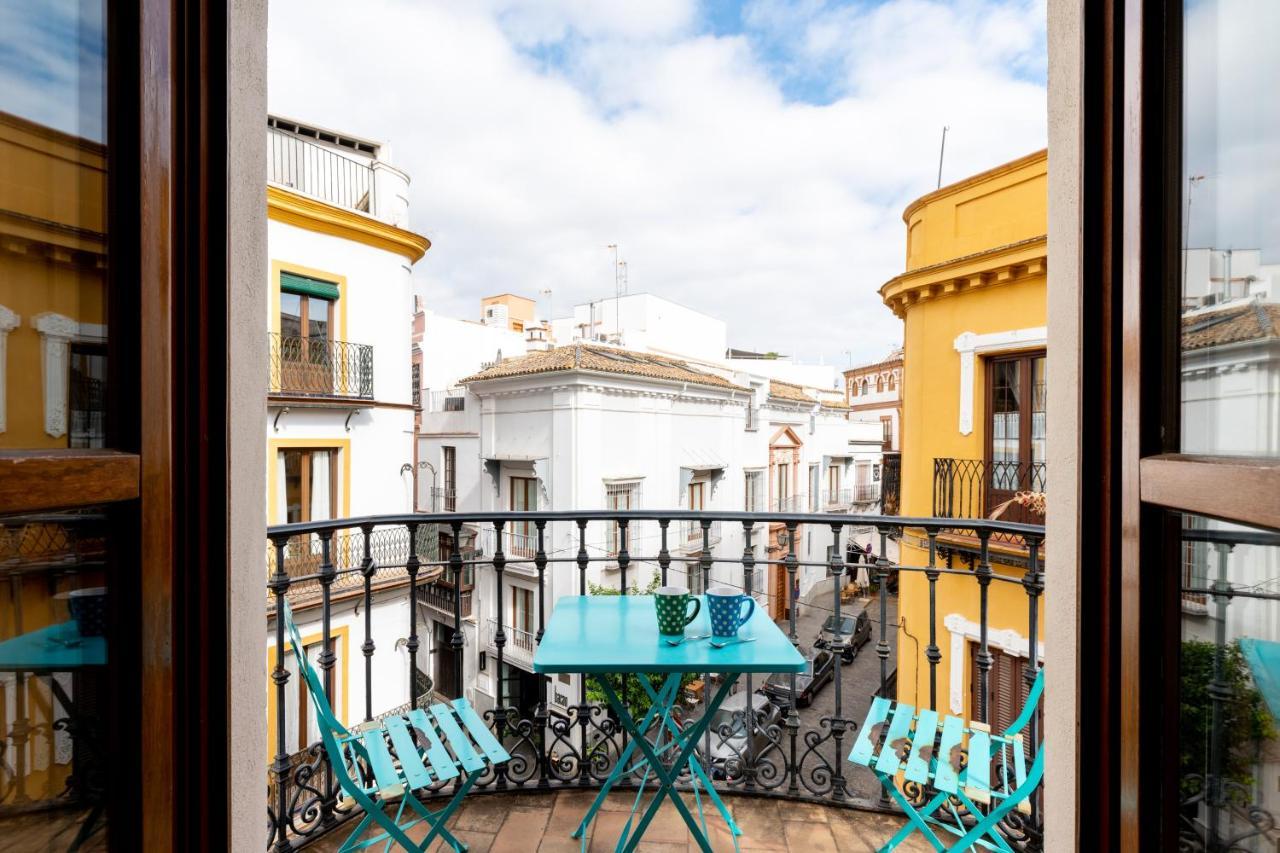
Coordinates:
975 263
519 309
340 637
52 255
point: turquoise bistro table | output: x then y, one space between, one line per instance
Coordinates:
609 634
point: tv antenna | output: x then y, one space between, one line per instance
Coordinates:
941 152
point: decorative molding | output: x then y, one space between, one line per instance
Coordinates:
963 630
286 206
56 332
970 345
8 322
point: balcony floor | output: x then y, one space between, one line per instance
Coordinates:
527 822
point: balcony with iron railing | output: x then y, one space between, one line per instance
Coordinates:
977 488
559 746
320 367
834 499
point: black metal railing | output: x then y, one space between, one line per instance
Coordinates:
320 367
570 741
891 484
1223 803
441 596
320 171
974 488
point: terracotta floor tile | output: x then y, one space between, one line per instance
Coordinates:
808 837
522 830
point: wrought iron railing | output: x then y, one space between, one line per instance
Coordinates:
441 595
443 499
320 367
449 400
832 498
1224 807
864 493
320 171
572 742
520 644
891 484
976 488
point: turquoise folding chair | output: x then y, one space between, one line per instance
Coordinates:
401 754
957 761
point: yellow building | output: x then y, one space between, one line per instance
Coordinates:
972 301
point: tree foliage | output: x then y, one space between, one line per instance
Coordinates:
629 688
1246 720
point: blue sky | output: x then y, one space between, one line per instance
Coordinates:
751 159
51 65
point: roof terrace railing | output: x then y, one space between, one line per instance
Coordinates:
320 171
568 741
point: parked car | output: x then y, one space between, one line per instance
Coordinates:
728 732
819 671
854 631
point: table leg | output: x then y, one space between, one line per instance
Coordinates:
694 765
667 788
665 695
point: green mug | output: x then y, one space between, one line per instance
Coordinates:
672 606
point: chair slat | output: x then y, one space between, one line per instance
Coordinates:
899 727
863 748
480 732
384 770
946 778
407 752
978 772
442 763
1020 771
922 747
458 742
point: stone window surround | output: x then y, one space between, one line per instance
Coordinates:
964 630
969 345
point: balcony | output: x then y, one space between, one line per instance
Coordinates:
442 596
320 171
560 747
519 644
976 488
320 368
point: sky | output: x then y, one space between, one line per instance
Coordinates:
751 160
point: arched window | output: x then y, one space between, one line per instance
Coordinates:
880 384
863 384
853 388
893 381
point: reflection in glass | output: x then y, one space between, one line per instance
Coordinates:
1230 332
1230 685
53 170
53 656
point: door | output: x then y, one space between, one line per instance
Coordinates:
524 498
1016 422
445 671
113 391
306 344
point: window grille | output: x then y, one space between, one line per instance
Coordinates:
754 492
619 496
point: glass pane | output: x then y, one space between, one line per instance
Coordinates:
1038 423
318 317
53 227
1006 379
54 677
1229 682
1230 333
291 460
290 315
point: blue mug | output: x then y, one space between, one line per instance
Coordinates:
724 603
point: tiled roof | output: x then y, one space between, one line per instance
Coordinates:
602 360
1251 322
794 393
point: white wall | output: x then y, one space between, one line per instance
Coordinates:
453 349
648 323
823 376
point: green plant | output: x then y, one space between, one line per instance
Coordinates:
1246 720
629 688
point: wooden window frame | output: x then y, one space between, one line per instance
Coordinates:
1133 478
449 473
304 468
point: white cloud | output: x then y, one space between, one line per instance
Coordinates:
782 217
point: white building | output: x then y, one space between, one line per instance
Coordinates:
339 410
785 369
587 427
647 323
874 394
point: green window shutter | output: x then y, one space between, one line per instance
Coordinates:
294 283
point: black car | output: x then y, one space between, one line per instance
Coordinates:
820 669
853 631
